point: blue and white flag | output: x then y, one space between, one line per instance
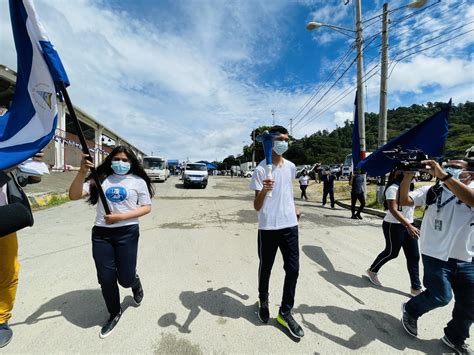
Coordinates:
31 120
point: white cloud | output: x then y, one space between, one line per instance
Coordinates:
190 86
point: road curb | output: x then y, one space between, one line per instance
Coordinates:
370 211
43 199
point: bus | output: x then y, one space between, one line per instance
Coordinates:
156 168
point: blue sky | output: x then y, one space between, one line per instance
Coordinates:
191 79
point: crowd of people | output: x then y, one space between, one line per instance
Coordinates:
445 236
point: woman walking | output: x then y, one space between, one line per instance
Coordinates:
399 233
128 191
304 182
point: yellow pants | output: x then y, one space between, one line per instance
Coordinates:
9 268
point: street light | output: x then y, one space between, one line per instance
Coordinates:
360 67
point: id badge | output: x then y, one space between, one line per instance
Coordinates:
438 225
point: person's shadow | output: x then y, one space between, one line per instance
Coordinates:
219 303
216 302
368 326
339 278
83 308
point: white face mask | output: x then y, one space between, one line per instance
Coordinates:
455 172
280 147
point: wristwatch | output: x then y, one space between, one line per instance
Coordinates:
444 178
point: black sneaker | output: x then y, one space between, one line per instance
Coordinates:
6 334
353 217
263 312
409 323
289 322
458 349
110 325
358 216
137 292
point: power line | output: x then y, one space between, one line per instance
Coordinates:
351 48
346 92
432 39
395 62
332 86
341 96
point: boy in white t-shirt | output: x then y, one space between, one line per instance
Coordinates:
447 248
277 228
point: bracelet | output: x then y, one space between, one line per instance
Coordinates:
444 178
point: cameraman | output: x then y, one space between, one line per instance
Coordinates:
447 249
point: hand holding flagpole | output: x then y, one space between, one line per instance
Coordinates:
267 140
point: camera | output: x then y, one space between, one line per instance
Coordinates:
407 159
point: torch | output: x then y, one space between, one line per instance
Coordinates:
267 141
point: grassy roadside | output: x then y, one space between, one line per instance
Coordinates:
342 191
49 201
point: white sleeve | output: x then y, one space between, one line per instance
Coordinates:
419 195
256 183
143 194
86 187
391 192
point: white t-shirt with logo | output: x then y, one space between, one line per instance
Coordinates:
449 232
407 211
278 211
304 180
124 193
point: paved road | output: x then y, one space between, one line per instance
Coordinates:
198 264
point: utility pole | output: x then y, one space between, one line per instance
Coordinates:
382 138
291 126
273 115
360 85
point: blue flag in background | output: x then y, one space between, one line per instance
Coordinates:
429 136
355 136
30 122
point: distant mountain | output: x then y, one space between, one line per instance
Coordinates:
331 147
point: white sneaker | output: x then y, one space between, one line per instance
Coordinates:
373 278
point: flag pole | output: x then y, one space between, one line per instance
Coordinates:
85 149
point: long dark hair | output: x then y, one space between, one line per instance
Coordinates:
395 177
105 169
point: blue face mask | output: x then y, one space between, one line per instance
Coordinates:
280 147
455 172
120 167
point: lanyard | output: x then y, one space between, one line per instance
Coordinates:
440 205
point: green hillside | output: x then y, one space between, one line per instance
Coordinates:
332 147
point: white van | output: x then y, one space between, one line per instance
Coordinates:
195 174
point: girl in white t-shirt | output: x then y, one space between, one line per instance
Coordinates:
128 191
304 182
399 233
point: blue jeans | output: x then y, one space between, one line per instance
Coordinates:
115 256
441 279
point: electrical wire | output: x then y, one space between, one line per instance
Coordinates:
332 86
395 62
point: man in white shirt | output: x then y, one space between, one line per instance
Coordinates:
277 228
447 248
